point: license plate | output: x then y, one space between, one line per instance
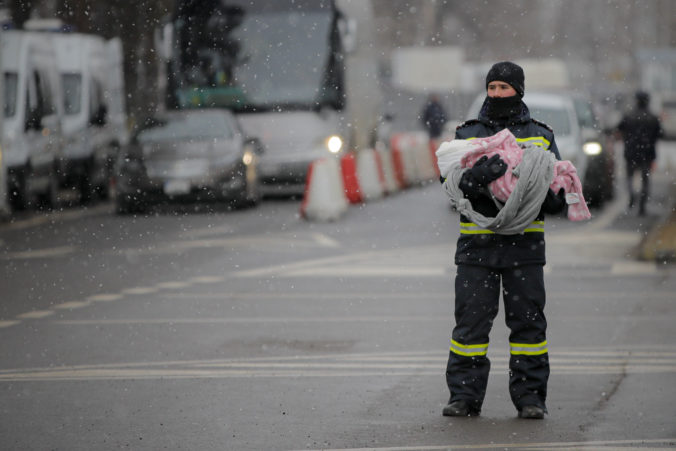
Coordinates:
173 187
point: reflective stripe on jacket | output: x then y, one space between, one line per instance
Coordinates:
481 247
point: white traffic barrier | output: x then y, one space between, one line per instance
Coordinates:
370 175
387 165
324 198
425 163
409 147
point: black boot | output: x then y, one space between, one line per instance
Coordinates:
532 412
460 408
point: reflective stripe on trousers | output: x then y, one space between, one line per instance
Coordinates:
469 228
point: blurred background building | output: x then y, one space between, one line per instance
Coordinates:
606 46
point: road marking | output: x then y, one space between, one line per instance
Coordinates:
633 268
104 297
422 364
260 242
8 323
35 314
58 251
73 305
206 279
172 285
37 220
600 444
140 290
325 240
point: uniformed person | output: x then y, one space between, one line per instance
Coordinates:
485 260
640 131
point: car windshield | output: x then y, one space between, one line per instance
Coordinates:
189 127
72 93
11 81
557 118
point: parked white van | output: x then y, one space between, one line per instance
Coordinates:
94 122
32 118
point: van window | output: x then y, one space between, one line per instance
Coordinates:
11 90
557 118
72 93
45 94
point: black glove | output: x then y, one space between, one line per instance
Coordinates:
485 170
554 202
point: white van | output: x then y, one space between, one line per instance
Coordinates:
4 201
94 122
32 118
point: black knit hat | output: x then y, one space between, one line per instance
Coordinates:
509 73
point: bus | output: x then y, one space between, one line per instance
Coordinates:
300 75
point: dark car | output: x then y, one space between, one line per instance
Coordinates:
199 155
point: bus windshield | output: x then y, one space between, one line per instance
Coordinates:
258 56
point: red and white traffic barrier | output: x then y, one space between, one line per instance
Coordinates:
324 198
386 162
370 175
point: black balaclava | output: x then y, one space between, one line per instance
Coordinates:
502 108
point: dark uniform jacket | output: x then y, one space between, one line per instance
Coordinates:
485 248
640 131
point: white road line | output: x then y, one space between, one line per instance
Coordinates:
58 251
35 314
140 290
633 268
41 219
600 444
73 305
8 323
207 279
104 297
325 240
172 285
322 371
354 365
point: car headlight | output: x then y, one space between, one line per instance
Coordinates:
592 148
334 143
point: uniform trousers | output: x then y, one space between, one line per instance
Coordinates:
477 293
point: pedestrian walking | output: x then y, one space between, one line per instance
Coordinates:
486 259
433 117
640 130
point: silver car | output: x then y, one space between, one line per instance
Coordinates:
199 155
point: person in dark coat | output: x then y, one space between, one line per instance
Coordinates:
433 117
640 131
486 261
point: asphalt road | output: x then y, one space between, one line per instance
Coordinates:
256 330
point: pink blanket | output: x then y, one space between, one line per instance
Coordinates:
504 144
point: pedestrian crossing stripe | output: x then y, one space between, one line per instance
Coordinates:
573 362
